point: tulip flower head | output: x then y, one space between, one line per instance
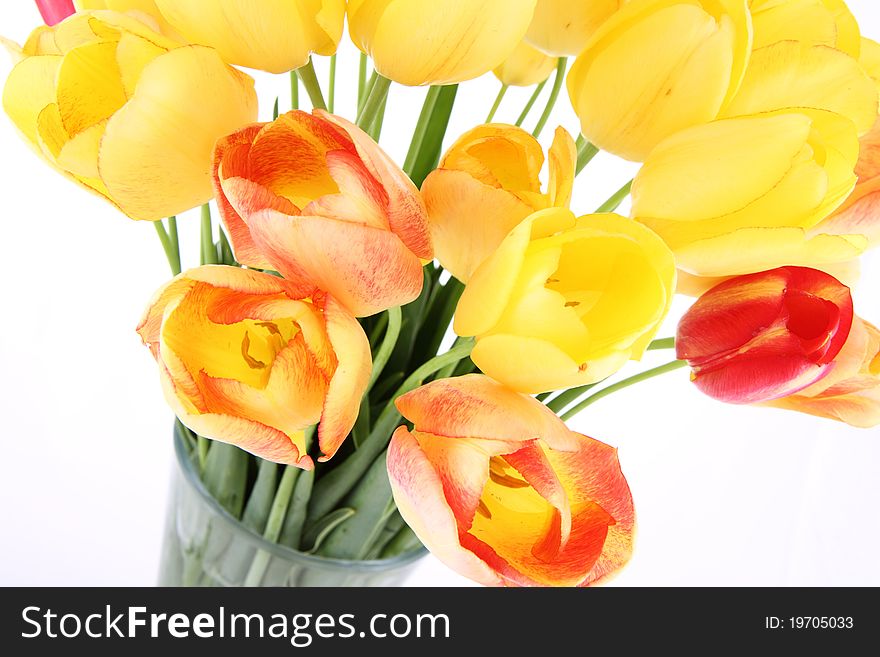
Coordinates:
126 112
763 336
564 27
566 301
525 66
244 359
850 392
820 22
419 43
314 198
497 487
633 85
272 35
486 184
757 207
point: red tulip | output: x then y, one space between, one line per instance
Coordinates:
763 336
55 11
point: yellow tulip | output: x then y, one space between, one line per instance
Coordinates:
753 208
795 74
270 35
126 112
656 67
563 27
566 301
525 67
824 22
144 10
417 43
487 183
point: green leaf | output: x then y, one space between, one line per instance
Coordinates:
256 511
225 476
432 143
291 533
313 538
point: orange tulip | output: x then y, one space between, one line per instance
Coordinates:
244 359
763 336
497 487
851 391
487 183
314 198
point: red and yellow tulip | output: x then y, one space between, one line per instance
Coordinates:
566 301
763 336
487 183
417 43
850 392
633 85
245 359
498 488
314 198
126 112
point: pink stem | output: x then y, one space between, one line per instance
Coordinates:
55 11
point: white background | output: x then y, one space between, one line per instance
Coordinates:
725 495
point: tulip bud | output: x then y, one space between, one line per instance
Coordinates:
244 359
821 22
850 392
763 336
633 85
525 67
55 11
126 112
418 43
565 302
564 27
753 209
497 487
492 172
314 198
271 35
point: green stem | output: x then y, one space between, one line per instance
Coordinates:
375 130
616 199
662 343
175 244
331 98
566 397
586 152
294 90
620 385
368 89
167 248
374 102
554 96
335 485
391 334
209 251
313 87
530 104
203 444
362 80
497 104
421 130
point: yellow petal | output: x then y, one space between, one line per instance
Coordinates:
156 154
563 27
416 43
826 22
525 66
29 88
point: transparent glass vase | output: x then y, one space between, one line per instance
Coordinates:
205 546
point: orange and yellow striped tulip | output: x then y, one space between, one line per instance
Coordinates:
497 487
270 35
314 198
566 301
564 27
763 336
487 183
821 22
244 359
418 43
126 112
850 392
634 85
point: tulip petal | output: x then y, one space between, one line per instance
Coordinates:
29 88
525 67
564 27
150 170
475 406
563 165
349 381
418 493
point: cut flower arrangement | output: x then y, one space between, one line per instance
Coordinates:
326 427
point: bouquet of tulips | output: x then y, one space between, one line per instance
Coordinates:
307 358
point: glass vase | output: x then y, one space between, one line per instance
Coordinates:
206 546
